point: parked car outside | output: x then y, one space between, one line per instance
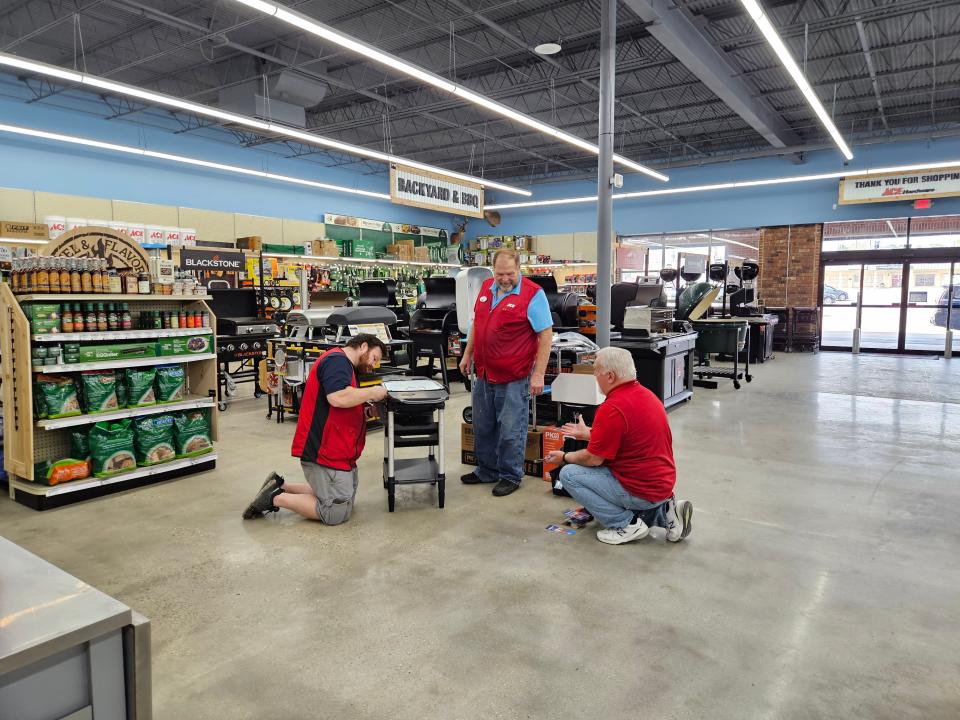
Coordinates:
940 316
832 295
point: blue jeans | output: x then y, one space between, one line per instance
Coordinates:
500 413
607 500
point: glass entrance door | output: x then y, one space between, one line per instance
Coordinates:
841 292
880 306
929 298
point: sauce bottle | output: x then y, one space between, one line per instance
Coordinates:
104 277
126 322
66 318
43 276
90 318
76 286
95 279
86 278
102 325
77 318
113 321
64 276
54 275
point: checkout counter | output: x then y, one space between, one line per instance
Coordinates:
68 650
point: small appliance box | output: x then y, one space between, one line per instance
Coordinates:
162 270
185 345
127 351
25 231
552 440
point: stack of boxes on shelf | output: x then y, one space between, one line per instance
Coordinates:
144 234
403 250
482 248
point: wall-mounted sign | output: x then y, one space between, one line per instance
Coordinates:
117 249
215 260
380 225
899 187
421 189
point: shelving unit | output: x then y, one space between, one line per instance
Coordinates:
27 441
117 364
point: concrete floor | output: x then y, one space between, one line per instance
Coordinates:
821 580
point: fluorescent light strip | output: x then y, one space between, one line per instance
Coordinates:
74 140
368 261
20 241
225 116
783 52
734 185
394 63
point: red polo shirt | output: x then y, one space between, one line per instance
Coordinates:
630 432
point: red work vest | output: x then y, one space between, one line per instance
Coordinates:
327 435
504 344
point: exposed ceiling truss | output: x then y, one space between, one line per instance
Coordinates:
884 69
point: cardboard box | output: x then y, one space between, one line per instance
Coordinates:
123 351
422 254
466 437
44 327
251 242
326 248
534 449
533 468
583 369
162 270
43 311
23 230
186 345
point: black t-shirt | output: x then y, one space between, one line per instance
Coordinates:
336 373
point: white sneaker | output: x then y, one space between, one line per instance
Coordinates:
679 519
617 536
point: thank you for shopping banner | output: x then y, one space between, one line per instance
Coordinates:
421 189
900 187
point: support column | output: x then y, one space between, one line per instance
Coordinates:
608 39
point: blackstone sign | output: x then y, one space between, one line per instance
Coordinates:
434 192
212 260
899 187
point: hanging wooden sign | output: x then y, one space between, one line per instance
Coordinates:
432 191
117 249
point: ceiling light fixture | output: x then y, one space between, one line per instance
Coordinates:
244 120
733 185
783 52
86 142
394 63
548 48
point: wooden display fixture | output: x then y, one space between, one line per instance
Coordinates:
27 441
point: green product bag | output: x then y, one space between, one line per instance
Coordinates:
153 439
192 432
79 444
139 382
121 385
111 447
39 405
99 390
59 395
171 381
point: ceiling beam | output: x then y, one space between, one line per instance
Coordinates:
677 32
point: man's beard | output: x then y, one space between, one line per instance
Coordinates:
506 285
364 366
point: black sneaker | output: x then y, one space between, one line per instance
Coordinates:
471 478
273 479
505 487
263 502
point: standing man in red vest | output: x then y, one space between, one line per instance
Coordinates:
509 345
331 431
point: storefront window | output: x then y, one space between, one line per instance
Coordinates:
865 235
935 232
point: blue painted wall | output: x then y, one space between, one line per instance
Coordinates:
51 166
809 202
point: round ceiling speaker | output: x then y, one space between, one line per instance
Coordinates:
548 48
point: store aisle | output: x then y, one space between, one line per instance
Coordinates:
820 579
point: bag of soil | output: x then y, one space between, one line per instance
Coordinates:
121 388
192 432
79 444
153 439
139 382
99 390
171 381
59 395
60 471
111 447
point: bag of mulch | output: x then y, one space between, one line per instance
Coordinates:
59 395
99 390
139 382
121 386
153 439
60 471
111 447
192 432
171 382
79 444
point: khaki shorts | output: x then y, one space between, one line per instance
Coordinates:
335 491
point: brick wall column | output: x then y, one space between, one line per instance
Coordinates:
790 265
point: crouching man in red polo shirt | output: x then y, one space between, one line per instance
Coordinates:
625 476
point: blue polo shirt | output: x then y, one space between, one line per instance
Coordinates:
538 311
